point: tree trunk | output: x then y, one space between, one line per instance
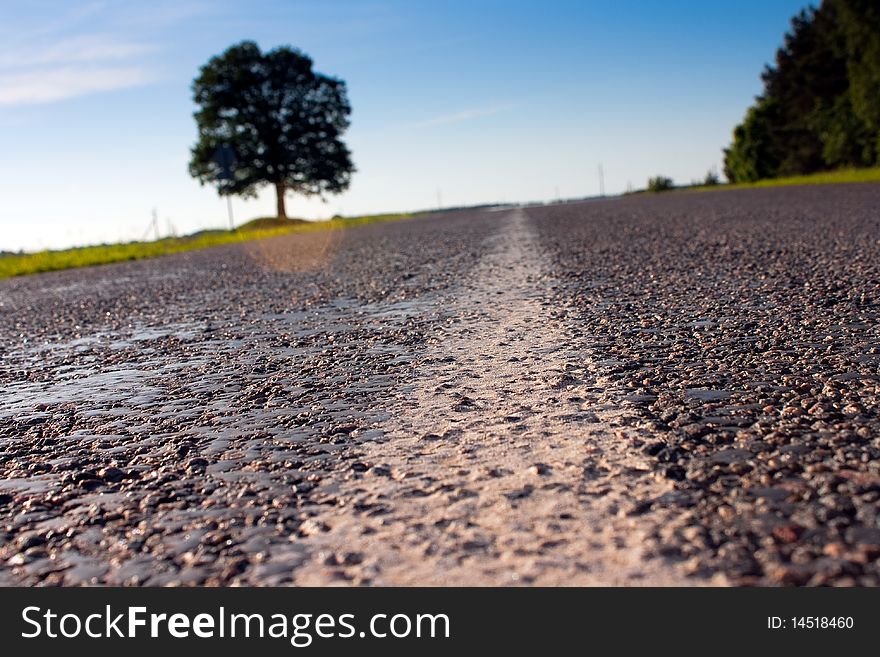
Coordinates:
279 193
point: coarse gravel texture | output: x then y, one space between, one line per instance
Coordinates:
670 389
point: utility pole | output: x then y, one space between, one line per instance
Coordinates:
229 208
601 180
224 156
156 223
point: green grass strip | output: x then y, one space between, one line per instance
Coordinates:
823 178
19 264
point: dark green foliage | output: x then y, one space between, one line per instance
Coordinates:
860 24
846 139
711 178
753 155
820 108
282 120
660 184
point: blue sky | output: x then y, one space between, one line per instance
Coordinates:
483 100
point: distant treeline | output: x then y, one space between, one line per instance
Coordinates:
820 108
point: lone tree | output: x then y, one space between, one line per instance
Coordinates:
268 118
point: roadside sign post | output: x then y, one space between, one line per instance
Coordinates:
224 156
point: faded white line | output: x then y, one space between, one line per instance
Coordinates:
500 464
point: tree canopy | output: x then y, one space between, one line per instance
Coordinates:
269 118
820 107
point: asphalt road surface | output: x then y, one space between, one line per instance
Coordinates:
670 389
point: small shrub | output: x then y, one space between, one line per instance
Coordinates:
712 178
660 184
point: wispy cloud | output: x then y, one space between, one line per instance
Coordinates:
159 14
89 48
60 83
464 115
74 50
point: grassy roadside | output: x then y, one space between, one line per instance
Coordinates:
824 178
32 263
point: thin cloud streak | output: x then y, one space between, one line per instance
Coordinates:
458 117
71 67
46 86
92 48
46 64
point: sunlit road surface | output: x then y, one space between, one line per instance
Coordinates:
671 389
